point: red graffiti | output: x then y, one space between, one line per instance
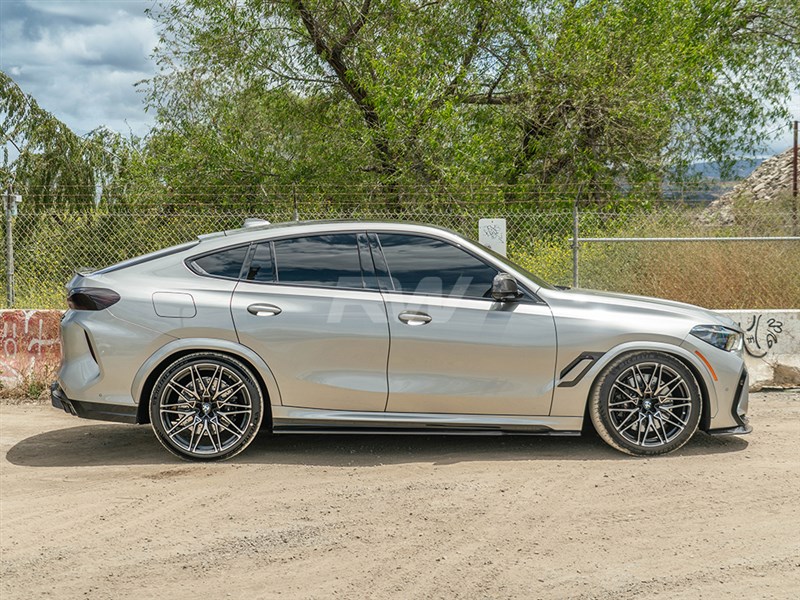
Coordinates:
29 343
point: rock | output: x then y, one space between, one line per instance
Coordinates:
768 184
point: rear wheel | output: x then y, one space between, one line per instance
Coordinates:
645 404
206 406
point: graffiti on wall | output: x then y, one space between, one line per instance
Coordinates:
761 333
29 341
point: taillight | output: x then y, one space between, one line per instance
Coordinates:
91 298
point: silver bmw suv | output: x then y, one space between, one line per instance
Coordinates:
384 327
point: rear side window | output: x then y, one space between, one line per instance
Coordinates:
224 263
260 268
423 265
319 260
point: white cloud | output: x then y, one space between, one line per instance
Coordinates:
80 60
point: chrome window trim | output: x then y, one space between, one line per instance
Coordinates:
372 234
275 273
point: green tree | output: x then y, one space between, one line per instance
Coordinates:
48 163
547 92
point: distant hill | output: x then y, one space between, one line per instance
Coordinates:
710 170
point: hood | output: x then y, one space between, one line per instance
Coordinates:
639 305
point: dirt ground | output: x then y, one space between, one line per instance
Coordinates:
94 510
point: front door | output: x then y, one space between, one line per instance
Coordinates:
454 349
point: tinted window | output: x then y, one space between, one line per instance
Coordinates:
326 260
261 264
225 263
422 265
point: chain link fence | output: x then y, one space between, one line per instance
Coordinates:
616 249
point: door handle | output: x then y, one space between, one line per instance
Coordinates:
264 310
414 318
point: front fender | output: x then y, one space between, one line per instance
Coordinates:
570 401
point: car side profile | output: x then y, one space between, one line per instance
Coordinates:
359 327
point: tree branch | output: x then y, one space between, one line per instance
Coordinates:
503 98
469 55
354 28
354 88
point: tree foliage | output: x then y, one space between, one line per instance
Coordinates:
547 92
48 163
252 96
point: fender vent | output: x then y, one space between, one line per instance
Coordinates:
575 371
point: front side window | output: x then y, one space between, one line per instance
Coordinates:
320 260
423 265
224 263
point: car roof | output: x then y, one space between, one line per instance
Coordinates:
271 230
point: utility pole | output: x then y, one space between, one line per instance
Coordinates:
9 204
794 181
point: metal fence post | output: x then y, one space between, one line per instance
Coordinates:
294 200
8 199
575 232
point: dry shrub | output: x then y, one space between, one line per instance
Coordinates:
32 386
721 275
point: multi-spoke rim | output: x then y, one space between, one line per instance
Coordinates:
205 408
650 404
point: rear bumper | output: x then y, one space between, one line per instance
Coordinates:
91 410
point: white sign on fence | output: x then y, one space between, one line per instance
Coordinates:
492 234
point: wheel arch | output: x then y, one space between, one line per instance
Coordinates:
676 352
160 360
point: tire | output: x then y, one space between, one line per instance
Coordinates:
646 404
206 406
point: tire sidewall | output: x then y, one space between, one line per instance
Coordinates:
236 366
601 393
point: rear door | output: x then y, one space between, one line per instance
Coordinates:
305 308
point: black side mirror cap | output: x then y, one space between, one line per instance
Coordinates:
505 288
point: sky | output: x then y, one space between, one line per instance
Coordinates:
80 60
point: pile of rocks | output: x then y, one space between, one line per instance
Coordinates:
769 183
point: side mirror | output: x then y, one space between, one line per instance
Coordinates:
504 288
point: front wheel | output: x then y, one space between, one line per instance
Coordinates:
645 404
206 406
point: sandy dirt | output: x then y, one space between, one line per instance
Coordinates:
94 510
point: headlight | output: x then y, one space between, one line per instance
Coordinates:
719 337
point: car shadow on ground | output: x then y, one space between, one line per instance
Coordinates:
109 444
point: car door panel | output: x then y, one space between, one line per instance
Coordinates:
304 308
327 348
471 357
453 350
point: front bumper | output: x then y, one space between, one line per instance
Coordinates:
741 430
91 410
741 401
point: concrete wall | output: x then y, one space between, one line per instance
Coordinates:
30 345
771 344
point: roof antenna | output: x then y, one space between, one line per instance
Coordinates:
248 223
